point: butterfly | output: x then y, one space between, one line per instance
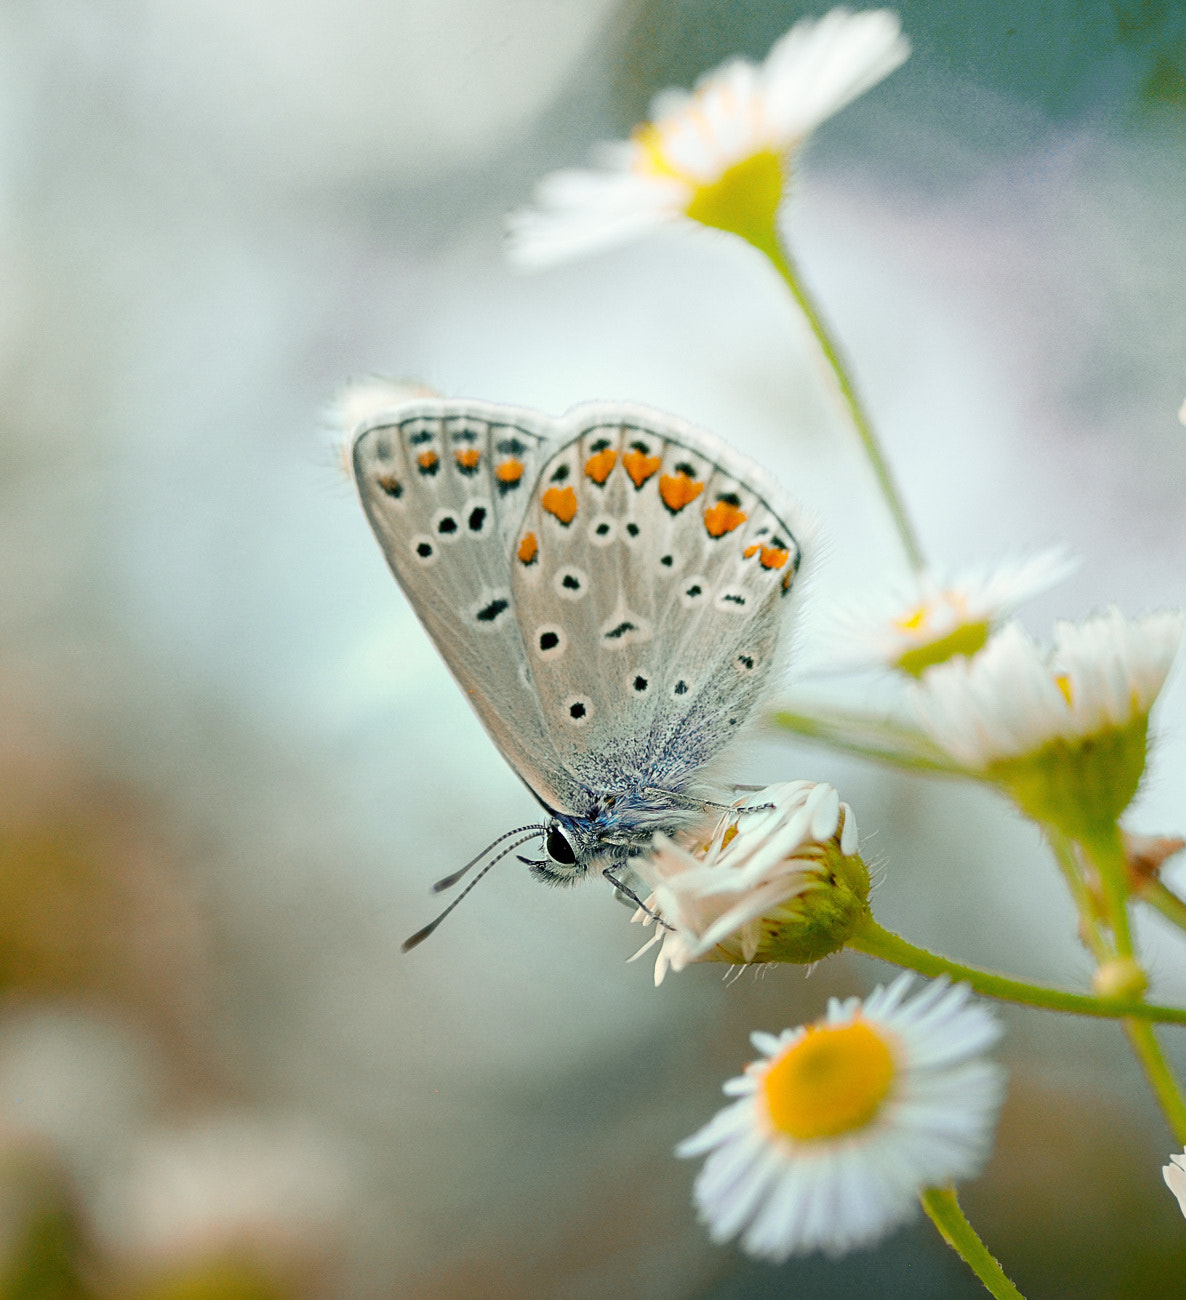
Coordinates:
608 589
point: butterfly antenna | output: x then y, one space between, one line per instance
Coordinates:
420 935
447 882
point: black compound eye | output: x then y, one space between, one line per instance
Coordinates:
559 849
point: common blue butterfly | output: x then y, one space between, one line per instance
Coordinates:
608 588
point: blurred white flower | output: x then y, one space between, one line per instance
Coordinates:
1175 1178
931 620
1064 730
226 1185
720 155
362 399
845 1121
779 876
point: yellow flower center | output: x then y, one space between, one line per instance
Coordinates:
967 639
832 1081
1063 682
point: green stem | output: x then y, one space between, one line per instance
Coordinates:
870 737
944 1210
1164 900
1089 930
1106 850
864 429
1161 1077
876 941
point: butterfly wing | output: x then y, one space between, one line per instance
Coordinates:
443 484
649 575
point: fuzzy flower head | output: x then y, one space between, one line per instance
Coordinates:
1175 1178
1064 731
932 621
843 1123
721 155
780 880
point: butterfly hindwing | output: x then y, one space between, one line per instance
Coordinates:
647 577
444 487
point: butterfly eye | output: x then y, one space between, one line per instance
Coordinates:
559 849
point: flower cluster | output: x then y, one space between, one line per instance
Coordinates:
844 1122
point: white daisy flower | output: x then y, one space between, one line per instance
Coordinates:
932 620
1064 730
845 1121
779 881
1175 1178
720 155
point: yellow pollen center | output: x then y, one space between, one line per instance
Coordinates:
915 619
832 1081
1063 682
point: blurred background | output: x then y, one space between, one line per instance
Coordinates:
231 764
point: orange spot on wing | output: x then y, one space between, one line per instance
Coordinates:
722 518
773 557
750 552
598 466
469 457
510 471
678 489
561 502
640 466
427 459
528 549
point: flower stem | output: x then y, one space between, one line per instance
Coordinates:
1106 851
1164 900
1161 1077
876 941
864 429
867 735
943 1207
1089 929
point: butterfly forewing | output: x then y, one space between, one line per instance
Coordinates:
647 576
444 485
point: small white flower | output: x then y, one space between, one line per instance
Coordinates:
1015 697
837 1131
931 620
1064 730
1175 1178
742 122
749 886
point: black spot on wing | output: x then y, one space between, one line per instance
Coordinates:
488 613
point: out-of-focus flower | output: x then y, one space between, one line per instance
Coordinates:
1063 731
721 155
1175 1178
779 881
231 1187
361 399
845 1121
931 620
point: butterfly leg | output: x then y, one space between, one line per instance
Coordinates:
624 894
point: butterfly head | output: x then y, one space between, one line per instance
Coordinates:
565 858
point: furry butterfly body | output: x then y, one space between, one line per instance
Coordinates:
608 588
